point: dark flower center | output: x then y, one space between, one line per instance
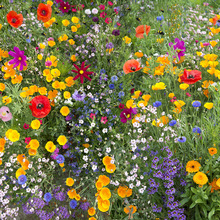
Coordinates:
43 12
133 68
191 77
13 20
193 166
40 106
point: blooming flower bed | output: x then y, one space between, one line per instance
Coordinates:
109 110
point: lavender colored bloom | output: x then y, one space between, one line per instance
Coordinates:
84 206
178 47
22 179
182 139
109 45
68 117
19 58
78 96
60 196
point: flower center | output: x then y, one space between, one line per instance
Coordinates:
64 7
13 20
193 166
40 106
43 12
178 50
3 113
133 68
190 77
128 116
81 72
19 58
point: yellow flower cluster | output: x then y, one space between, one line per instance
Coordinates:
12 135
26 92
109 166
50 22
73 195
159 86
33 146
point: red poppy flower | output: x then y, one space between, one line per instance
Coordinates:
141 29
131 66
82 73
14 19
40 106
191 77
44 12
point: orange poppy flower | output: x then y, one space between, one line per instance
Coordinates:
44 12
14 19
131 66
141 29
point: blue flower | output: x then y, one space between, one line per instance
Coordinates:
102 71
78 96
114 78
196 104
73 204
121 94
182 139
22 179
111 86
197 130
60 158
172 123
157 104
47 197
160 18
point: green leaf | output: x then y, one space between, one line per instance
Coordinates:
184 201
211 213
197 214
194 190
199 201
192 205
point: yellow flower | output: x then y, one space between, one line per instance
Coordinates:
77 197
91 211
136 94
171 95
69 81
75 20
0 158
39 57
65 22
110 168
105 193
73 28
71 193
192 166
35 124
213 43
55 72
42 90
78 25
71 42
128 209
210 57
19 172
208 105
2 87
200 178
49 3
218 182
42 46
212 151
179 103
160 40
183 86
127 39
62 86
0 26
159 86
51 43
32 152
49 78
56 84
130 104
64 111
34 144
139 54
13 135
66 95
50 147
6 100
199 53
73 58
69 181
62 140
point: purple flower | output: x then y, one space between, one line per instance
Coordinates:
109 45
178 47
95 19
78 96
126 114
19 58
116 32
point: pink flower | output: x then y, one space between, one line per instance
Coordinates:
102 7
110 3
5 114
92 116
188 94
104 120
27 140
40 121
116 11
173 99
102 14
48 63
108 20
206 44
26 126
118 24
50 39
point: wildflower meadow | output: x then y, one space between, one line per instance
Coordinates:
110 110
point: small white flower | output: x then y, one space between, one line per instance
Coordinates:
95 11
87 11
86 150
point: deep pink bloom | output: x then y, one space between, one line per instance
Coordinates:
118 24
48 63
188 94
92 116
173 99
27 140
121 106
50 39
19 58
102 14
40 121
116 11
26 126
104 120
108 20
64 7
126 114
110 3
206 44
102 7
81 72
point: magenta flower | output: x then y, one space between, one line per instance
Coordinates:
27 140
26 126
64 7
126 114
92 116
82 73
178 47
104 120
19 58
